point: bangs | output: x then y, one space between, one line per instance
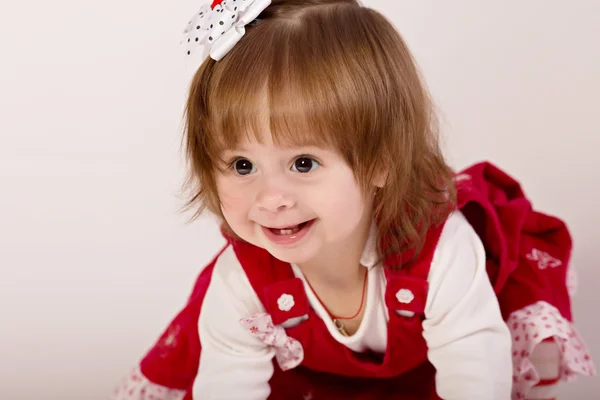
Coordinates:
298 81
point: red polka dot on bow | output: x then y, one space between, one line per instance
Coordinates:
216 3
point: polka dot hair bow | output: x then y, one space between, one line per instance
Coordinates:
218 27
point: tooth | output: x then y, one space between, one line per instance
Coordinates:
286 231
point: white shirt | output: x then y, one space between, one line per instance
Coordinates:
468 342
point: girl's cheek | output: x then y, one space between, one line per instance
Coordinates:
233 194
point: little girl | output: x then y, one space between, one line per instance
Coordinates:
352 268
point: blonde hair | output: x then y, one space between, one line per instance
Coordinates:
329 73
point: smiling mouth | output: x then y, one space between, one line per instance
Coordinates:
290 230
289 235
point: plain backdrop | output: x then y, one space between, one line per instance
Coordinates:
95 256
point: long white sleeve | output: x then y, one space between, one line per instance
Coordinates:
233 363
469 343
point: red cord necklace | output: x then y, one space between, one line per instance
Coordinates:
335 318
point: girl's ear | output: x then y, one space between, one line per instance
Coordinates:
380 177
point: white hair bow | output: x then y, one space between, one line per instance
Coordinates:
218 27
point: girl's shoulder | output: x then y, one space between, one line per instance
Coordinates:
457 231
229 280
459 257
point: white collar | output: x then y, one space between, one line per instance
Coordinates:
370 254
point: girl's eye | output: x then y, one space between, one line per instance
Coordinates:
304 165
243 167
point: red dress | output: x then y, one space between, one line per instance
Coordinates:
527 256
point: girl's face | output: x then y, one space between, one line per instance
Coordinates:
298 203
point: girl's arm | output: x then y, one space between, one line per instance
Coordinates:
469 342
233 363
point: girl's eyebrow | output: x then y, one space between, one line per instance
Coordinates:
235 150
